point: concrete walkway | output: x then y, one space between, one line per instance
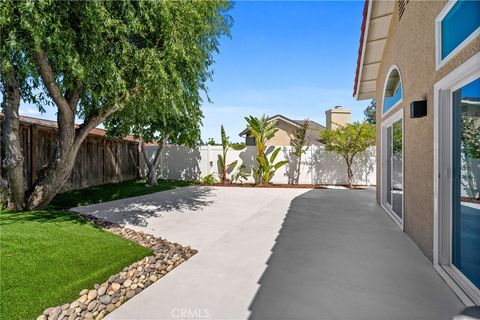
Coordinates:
337 255
234 230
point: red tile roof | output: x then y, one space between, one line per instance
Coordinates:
362 36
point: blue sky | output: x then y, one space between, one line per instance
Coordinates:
293 58
297 59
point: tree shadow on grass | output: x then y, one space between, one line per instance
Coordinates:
7 217
137 211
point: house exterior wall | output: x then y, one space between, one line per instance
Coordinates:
411 47
286 132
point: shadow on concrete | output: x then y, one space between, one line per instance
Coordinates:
136 211
339 256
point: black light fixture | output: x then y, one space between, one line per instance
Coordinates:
418 109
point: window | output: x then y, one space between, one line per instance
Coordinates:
393 92
456 26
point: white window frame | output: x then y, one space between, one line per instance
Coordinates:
442 238
439 62
390 70
384 125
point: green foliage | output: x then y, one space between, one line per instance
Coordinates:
111 51
209 180
470 135
299 141
223 165
370 112
298 144
211 142
262 130
348 141
240 175
267 167
47 257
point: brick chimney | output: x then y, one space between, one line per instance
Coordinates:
337 117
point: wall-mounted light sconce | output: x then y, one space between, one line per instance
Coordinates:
418 109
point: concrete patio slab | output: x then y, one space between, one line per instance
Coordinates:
332 254
234 230
340 256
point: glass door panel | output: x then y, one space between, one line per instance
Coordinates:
393 169
466 181
397 169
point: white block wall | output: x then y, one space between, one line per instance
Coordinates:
318 166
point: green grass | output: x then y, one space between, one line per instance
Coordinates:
47 257
109 192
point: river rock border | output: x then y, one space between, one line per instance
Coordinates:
96 303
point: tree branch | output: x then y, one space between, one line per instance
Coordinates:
46 73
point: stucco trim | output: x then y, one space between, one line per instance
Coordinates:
439 62
385 82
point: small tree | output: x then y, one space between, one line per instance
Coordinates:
298 143
222 158
370 112
348 141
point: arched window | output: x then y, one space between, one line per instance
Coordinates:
393 93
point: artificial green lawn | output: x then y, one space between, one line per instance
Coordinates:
47 257
109 192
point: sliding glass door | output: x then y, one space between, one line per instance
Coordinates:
458 188
392 167
465 230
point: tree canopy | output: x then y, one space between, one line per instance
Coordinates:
370 112
348 141
92 59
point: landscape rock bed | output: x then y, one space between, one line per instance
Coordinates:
97 302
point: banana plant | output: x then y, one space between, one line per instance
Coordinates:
262 129
223 165
267 167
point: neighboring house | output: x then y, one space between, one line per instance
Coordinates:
420 61
287 128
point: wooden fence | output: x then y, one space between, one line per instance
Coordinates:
99 160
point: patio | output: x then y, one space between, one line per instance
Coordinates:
281 254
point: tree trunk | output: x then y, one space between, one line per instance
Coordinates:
350 174
152 165
51 179
299 163
13 162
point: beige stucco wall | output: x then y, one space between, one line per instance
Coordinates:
411 46
285 133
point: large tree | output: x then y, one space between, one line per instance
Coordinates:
349 141
91 59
